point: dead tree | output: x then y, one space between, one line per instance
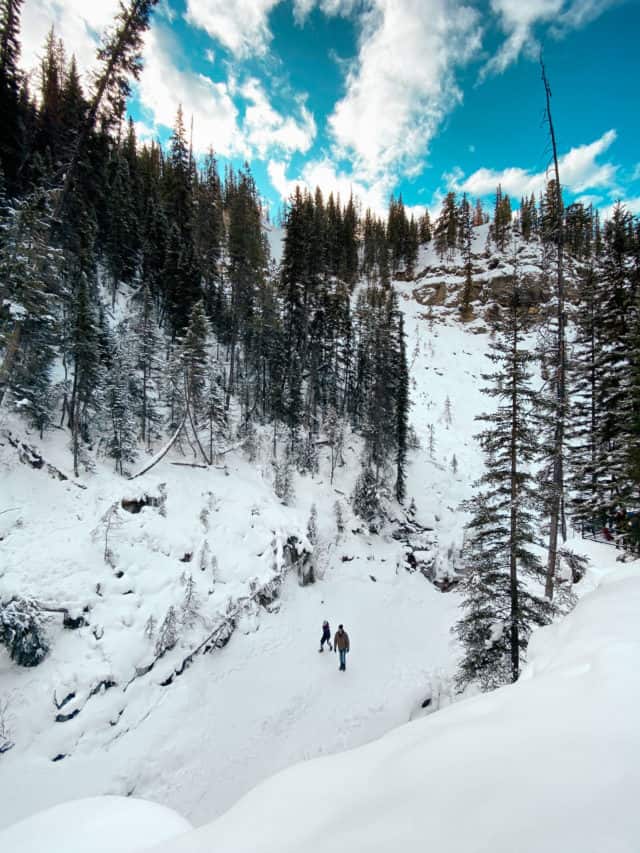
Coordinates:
557 521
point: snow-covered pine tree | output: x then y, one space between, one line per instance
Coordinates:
195 360
614 377
122 445
173 394
447 413
150 627
22 631
499 608
334 431
312 525
446 227
365 500
190 603
465 242
215 412
339 516
148 346
86 399
31 299
431 441
168 633
585 414
402 407
283 478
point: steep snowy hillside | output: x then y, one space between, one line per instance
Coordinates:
192 673
93 718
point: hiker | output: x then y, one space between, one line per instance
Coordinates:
341 644
326 636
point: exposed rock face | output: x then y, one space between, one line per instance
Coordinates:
297 555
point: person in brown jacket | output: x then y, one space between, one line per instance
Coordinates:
341 645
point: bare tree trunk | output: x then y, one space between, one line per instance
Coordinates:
557 519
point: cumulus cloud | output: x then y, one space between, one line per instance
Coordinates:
325 174
402 85
78 23
302 8
631 204
163 87
518 20
579 171
265 128
242 26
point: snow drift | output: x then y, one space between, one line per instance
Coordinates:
99 824
551 763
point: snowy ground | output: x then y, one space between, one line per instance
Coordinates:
98 824
267 700
551 763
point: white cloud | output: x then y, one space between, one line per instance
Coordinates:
163 87
590 199
636 173
144 132
240 25
518 20
324 174
632 204
402 85
302 8
77 22
265 128
579 172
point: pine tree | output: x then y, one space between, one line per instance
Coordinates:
312 525
22 631
365 500
402 411
168 633
190 603
501 227
446 227
424 227
465 242
147 349
119 55
11 135
334 431
339 516
283 479
31 294
119 403
86 354
617 353
499 609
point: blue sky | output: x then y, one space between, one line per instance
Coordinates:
381 96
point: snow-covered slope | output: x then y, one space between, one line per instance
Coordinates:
551 763
197 731
98 824
89 720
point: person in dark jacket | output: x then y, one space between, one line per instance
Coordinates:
326 636
342 646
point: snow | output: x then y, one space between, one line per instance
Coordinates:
267 700
98 824
551 763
